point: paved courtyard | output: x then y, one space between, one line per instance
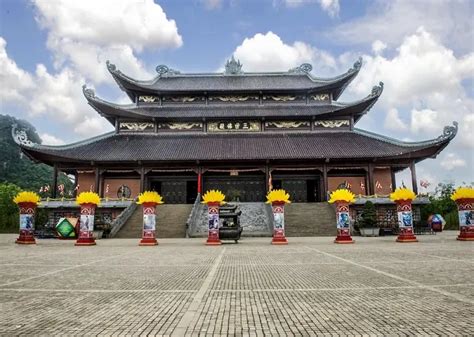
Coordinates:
181 287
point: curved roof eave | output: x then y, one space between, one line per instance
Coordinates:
335 84
111 110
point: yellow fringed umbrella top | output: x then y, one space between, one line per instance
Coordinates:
463 193
278 196
342 194
149 196
213 196
88 198
402 193
27 197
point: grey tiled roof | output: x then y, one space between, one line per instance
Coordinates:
238 146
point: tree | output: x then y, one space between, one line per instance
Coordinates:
8 209
368 218
15 167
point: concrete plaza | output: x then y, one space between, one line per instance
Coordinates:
182 287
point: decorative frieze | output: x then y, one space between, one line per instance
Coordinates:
284 98
148 99
231 126
180 126
234 98
184 99
287 125
331 124
136 126
320 97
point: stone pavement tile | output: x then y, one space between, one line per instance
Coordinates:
117 278
440 273
466 291
298 277
279 258
13 273
69 313
305 313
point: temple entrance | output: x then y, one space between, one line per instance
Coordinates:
175 190
243 188
302 188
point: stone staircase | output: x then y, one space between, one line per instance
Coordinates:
310 219
170 222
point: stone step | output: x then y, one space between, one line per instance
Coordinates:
310 219
170 222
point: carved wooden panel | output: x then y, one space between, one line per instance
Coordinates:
234 99
286 125
233 126
331 124
183 99
180 126
136 126
319 97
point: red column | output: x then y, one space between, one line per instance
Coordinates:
149 225
405 221
343 223
213 224
27 217
278 209
86 226
466 221
199 187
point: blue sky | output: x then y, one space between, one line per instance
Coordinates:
422 50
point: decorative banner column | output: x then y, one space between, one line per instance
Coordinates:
88 202
149 200
278 199
213 199
403 197
342 198
27 202
464 198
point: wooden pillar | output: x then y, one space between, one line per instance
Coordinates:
97 181
199 181
76 181
324 189
55 182
370 183
413 177
268 179
142 180
394 182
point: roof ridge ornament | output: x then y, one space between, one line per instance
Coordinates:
449 132
357 65
304 68
163 70
233 67
20 136
112 68
88 92
377 89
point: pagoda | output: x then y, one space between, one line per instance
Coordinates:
241 132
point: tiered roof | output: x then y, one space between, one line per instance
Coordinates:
293 115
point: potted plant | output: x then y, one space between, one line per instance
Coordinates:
368 220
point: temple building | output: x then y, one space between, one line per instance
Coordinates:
243 133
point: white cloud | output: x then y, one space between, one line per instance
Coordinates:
84 34
13 80
452 161
393 121
267 52
331 7
50 139
424 82
378 47
391 21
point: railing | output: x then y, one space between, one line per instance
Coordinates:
122 218
191 223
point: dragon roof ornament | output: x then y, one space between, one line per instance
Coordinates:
305 68
377 90
112 68
449 132
163 70
20 136
233 67
88 92
357 65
